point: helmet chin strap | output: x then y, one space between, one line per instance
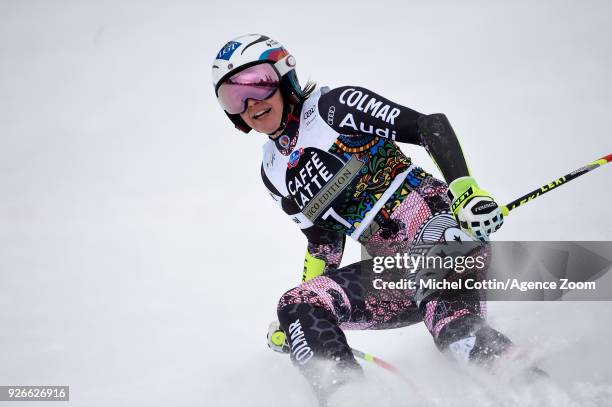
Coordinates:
284 118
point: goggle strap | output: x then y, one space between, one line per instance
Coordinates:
285 65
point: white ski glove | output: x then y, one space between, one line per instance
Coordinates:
476 211
277 340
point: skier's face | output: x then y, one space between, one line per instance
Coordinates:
265 115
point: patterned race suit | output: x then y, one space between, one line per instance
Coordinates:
337 171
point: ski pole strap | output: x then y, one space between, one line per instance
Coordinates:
554 184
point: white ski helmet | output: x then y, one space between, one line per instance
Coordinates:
252 49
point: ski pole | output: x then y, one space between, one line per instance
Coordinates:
554 184
278 338
385 365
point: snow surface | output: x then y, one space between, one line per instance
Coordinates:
140 257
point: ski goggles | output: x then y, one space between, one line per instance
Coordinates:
257 82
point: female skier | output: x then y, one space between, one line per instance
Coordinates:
333 165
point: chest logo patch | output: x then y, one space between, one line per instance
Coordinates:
294 158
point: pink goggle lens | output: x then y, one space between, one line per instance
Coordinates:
257 82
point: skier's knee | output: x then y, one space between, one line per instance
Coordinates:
321 292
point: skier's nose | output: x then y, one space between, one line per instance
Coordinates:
252 102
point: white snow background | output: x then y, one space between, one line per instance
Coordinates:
140 256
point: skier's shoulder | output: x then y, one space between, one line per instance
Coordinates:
352 97
309 112
267 168
354 108
309 106
268 155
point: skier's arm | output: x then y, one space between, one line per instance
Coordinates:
356 110
324 255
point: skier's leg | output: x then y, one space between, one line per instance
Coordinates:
458 326
314 314
310 315
456 319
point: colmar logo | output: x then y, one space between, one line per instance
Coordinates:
299 347
375 108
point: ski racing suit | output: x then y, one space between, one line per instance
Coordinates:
336 171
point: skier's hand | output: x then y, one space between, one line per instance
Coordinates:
277 340
476 211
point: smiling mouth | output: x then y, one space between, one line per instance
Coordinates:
261 113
